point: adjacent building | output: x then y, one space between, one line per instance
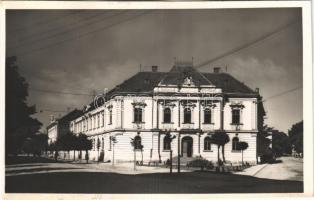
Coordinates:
61 126
189 104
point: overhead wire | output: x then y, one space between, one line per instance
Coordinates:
82 35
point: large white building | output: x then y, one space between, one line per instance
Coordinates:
190 104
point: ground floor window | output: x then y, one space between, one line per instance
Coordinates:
235 144
207 144
166 144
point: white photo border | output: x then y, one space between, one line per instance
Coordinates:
307 89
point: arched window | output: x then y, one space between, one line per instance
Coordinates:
235 142
138 115
167 115
235 116
137 142
207 144
166 144
207 116
187 115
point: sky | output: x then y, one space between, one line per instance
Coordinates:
83 52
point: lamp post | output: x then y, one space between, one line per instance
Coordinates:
114 141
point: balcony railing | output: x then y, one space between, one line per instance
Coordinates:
167 126
138 125
207 127
188 126
236 127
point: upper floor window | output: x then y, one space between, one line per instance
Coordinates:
166 144
235 143
187 116
235 116
138 112
207 144
95 122
110 116
102 119
98 120
167 115
207 116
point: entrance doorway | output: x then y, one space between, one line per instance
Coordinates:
187 146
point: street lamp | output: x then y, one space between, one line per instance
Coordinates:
114 141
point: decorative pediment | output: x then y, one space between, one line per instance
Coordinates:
167 103
208 104
237 105
189 104
139 104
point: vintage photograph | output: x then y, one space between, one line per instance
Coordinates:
198 101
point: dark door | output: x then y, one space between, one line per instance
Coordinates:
187 146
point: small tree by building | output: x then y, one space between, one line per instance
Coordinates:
113 141
242 146
35 145
220 139
136 143
168 139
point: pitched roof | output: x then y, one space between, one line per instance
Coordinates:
139 83
66 118
177 75
146 81
227 83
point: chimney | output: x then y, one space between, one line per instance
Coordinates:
154 68
257 90
52 118
217 70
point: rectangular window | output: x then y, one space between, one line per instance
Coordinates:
98 120
95 125
138 115
110 116
102 118
207 116
235 116
167 115
187 116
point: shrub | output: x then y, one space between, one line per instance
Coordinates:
201 163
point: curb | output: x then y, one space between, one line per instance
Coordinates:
259 170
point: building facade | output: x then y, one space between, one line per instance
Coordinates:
185 102
61 126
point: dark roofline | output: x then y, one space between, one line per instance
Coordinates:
243 90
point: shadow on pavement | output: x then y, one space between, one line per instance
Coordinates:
189 182
38 169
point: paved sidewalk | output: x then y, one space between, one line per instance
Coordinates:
251 171
287 168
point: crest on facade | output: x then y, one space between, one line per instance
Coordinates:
188 81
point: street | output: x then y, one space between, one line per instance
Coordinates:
49 177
